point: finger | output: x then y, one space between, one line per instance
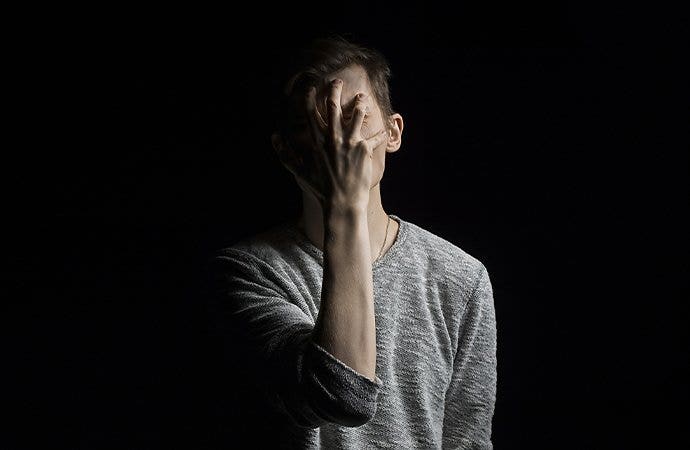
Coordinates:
313 116
358 113
377 139
317 130
335 114
320 120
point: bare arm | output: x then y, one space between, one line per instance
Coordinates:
345 326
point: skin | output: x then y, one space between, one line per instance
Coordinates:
311 219
337 155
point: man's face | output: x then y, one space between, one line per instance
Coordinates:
355 81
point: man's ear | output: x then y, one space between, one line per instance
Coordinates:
396 129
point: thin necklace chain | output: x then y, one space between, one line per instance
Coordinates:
384 239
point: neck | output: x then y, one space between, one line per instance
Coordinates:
311 222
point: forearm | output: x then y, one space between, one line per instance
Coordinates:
345 326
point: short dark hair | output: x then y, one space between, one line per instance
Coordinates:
326 55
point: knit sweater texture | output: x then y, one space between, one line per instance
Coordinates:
435 384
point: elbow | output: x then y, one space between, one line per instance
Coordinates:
320 408
349 411
358 418
327 390
336 392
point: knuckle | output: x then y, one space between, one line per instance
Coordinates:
335 141
332 104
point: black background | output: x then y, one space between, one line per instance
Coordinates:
549 140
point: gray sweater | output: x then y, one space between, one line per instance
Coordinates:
435 383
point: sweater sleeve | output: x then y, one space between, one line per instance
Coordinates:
471 395
301 378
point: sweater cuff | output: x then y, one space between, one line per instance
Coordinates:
347 377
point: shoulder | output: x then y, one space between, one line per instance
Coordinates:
271 254
267 245
253 263
462 271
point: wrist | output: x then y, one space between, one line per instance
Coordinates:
344 209
344 214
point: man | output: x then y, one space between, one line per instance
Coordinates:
367 330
